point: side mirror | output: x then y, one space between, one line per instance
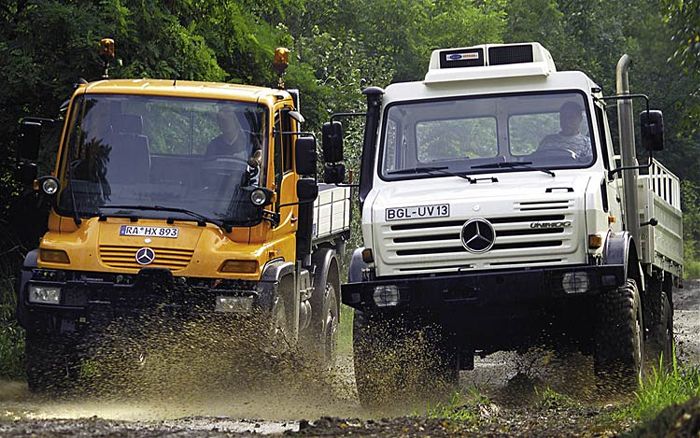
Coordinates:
306 156
307 190
29 140
334 173
652 128
332 142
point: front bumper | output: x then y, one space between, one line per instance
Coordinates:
482 289
86 298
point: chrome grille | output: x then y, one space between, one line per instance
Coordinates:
436 246
117 256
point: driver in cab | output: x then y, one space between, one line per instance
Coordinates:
232 142
569 139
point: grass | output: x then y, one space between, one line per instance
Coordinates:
345 334
665 388
691 269
460 407
548 398
11 335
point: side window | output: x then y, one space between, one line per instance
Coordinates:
602 134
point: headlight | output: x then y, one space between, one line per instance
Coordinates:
385 296
44 294
575 282
234 304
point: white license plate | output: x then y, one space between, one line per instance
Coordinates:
138 230
417 212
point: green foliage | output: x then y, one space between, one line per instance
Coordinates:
11 335
662 389
464 407
685 18
691 228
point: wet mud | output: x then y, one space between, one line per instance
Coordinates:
201 379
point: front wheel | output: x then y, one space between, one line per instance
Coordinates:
399 359
51 368
619 338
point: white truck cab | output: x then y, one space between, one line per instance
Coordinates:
495 205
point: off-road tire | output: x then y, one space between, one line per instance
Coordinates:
322 333
50 366
659 347
619 345
392 366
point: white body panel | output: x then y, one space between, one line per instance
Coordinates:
659 198
331 211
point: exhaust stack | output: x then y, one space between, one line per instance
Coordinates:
628 149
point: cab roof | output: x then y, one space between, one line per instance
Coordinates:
163 87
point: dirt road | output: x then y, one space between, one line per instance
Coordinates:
507 394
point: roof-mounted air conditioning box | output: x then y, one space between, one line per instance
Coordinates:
489 61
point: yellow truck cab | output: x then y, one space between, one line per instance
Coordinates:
196 196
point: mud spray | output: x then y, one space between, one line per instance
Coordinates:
154 367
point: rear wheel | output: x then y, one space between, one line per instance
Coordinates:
619 338
322 332
659 346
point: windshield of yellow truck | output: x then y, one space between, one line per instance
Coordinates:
195 154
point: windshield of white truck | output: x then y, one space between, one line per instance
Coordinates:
487 134
198 155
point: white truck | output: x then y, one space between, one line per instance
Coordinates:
496 205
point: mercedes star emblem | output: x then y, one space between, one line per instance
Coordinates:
478 235
145 256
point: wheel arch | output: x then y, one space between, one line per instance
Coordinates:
620 249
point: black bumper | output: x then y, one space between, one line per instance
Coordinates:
482 289
91 298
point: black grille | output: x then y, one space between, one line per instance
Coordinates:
510 54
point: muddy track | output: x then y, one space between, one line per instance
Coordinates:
534 394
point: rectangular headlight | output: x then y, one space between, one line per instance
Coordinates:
385 296
44 294
234 304
575 282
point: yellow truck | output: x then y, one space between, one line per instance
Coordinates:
196 196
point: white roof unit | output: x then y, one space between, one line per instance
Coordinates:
489 61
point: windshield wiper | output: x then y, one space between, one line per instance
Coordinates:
512 164
200 218
440 169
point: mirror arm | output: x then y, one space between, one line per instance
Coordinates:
612 173
271 216
310 134
339 115
297 203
